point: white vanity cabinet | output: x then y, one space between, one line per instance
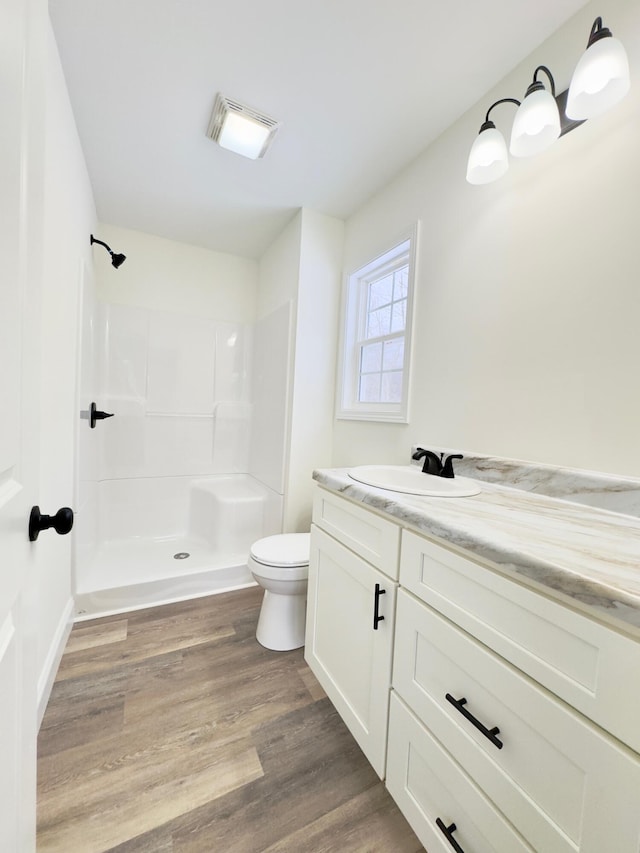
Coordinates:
350 616
531 764
513 722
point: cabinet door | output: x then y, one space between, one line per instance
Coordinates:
350 658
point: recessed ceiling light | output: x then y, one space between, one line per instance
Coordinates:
240 128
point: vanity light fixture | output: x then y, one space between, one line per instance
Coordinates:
116 260
240 128
600 80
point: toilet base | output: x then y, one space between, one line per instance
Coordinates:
281 622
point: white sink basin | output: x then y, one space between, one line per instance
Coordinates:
410 480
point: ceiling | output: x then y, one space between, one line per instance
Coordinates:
361 88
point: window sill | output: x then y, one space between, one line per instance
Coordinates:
376 417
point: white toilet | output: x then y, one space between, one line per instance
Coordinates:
280 564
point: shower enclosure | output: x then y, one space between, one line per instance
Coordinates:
169 500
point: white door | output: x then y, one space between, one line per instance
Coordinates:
20 253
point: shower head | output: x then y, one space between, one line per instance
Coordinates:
116 260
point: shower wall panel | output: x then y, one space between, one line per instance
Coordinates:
179 389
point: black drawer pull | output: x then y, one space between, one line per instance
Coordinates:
459 704
448 831
376 605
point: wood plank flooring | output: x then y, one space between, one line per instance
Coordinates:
171 730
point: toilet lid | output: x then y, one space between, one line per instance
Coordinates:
285 549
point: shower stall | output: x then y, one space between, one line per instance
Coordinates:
172 490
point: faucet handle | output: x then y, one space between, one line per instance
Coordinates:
447 465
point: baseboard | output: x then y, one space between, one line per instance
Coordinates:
52 662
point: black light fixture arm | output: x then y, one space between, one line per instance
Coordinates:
538 85
487 121
598 32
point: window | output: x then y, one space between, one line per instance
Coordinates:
377 337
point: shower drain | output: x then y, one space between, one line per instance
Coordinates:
181 555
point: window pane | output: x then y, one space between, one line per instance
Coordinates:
399 316
380 292
401 283
393 354
370 388
391 387
378 322
371 356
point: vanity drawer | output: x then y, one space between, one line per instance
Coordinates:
371 536
585 663
564 783
428 785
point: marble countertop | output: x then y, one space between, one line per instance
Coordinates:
574 552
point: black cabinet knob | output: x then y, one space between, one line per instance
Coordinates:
62 522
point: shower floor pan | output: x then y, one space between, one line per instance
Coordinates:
130 574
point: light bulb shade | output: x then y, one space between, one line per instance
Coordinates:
488 158
600 80
536 125
243 135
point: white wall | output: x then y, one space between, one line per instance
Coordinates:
312 404
295 360
528 305
279 271
165 275
69 216
270 397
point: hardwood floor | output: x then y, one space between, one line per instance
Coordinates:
171 730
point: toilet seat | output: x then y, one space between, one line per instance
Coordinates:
278 573
284 550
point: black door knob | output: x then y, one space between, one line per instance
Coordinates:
95 415
62 522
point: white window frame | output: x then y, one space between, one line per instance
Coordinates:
354 311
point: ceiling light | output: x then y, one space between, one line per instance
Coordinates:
601 78
240 128
537 122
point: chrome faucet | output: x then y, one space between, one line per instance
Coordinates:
438 466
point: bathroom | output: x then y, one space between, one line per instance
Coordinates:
525 342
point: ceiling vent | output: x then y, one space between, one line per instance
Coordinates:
240 128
